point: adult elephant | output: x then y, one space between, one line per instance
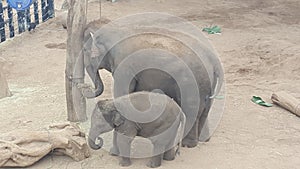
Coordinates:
147 59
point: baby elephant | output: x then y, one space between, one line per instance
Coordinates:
150 115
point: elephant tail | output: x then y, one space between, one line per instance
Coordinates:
217 82
181 131
216 89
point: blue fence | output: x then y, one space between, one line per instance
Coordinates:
12 21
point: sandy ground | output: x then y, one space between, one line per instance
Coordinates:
260 51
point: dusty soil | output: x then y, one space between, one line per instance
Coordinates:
260 51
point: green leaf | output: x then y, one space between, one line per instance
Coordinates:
212 30
259 101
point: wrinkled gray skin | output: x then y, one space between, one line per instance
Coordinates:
99 53
163 131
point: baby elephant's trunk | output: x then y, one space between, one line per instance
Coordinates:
92 142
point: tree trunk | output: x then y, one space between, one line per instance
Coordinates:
4 91
76 103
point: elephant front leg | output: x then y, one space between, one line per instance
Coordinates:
124 145
114 151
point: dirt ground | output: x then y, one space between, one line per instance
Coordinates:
260 51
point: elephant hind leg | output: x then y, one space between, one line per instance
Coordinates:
191 139
204 132
170 149
155 161
158 150
189 142
203 128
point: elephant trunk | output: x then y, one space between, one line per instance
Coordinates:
99 87
92 141
95 76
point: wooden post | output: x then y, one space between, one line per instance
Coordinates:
4 91
76 103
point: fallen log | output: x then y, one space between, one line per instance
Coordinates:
21 148
287 101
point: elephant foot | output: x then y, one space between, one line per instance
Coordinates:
169 155
114 151
154 163
125 162
207 140
189 143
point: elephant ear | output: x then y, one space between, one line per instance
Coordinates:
117 119
98 50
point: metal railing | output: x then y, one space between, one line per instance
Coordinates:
39 11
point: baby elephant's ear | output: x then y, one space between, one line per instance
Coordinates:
117 119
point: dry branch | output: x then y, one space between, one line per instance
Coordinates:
287 101
23 148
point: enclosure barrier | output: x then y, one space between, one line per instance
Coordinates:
26 19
